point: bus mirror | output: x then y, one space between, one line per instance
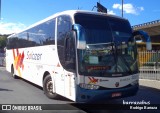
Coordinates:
80 33
143 36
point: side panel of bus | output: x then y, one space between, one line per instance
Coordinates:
32 63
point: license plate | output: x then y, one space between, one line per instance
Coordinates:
116 94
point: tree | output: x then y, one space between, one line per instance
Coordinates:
3 39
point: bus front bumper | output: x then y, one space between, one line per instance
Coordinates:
86 95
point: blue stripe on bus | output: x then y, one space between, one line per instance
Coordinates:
85 95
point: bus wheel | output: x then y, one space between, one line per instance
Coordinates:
13 73
48 85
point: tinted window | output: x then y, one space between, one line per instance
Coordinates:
66 43
104 29
43 34
12 42
121 29
96 27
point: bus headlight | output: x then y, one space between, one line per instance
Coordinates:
88 86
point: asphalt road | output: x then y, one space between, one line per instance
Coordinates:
18 91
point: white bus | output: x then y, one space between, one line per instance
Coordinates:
81 55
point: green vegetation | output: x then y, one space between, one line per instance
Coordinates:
3 39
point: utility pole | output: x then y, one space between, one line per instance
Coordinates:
122 8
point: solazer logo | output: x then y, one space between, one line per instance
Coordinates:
92 80
34 56
18 60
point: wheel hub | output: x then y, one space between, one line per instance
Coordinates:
50 87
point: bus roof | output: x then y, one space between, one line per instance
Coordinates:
71 13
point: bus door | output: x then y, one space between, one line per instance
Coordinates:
59 79
66 69
66 54
70 66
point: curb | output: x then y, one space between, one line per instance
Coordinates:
150 83
2 68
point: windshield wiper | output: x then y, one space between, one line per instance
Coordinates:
114 51
126 63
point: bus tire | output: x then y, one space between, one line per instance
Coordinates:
48 85
13 73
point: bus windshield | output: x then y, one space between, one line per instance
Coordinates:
110 46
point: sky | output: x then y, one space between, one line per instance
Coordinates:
17 15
